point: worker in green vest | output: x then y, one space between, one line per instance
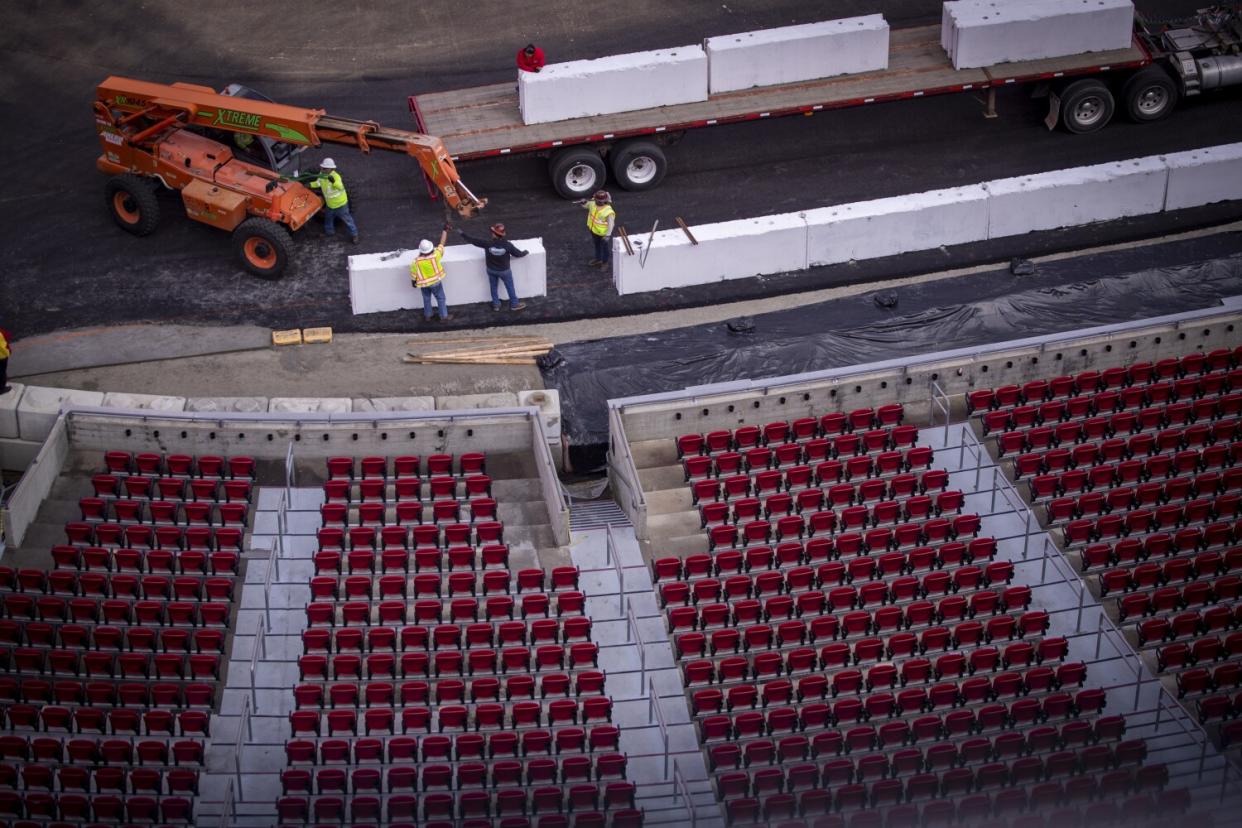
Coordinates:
427 273
601 219
335 199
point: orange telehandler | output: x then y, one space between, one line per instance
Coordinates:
228 154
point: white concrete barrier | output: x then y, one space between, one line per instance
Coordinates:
381 281
1204 176
8 411
988 32
389 404
1081 195
143 402
239 405
16 455
616 83
548 401
890 226
39 407
797 53
310 405
461 402
728 250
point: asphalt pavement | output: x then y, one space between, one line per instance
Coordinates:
68 266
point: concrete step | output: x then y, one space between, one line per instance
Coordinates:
652 453
662 477
669 500
674 524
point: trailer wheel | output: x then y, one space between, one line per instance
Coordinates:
263 247
1149 95
576 173
638 165
133 204
1086 106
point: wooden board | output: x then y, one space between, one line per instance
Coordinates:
485 120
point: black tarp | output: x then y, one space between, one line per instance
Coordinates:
932 316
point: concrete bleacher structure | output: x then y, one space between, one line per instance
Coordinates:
874 627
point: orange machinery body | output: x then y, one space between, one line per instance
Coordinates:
216 187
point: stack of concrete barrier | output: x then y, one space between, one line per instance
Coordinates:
617 83
924 221
797 53
976 33
381 281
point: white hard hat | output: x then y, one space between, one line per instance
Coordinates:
425 247
327 164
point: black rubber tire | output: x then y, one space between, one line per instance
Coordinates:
1150 95
259 238
567 169
1086 106
134 195
650 169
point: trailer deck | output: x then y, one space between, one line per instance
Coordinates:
485 121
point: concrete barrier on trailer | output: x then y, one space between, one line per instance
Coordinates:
890 226
381 281
1081 195
797 53
727 250
981 33
1203 176
616 83
39 407
8 411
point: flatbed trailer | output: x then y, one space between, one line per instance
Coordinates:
1148 77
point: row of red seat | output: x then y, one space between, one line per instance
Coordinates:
56 608
179 465
459 610
1087 445
1173 495
181 562
419 718
1054 745
1189 624
1140 521
817 550
1104 480
437 776
1125 465
1169 599
84 750
407 465
1199 680
373 693
828 467
1218 413
914 508
1188 541
1150 575
101 692
126 585
780 431
1092 381
82 808
397 559
161 493
164 512
1204 650
412 536
113 720
797 478
345 494
66 778
107 637
489 582
1216 708
446 636
147 536
458 747
39 661
762 532
466 805
582 655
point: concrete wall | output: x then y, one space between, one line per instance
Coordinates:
38 408
1080 195
381 281
727 250
22 506
797 53
616 83
890 226
1204 176
979 33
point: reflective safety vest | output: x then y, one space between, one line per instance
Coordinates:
4 346
427 271
597 218
333 189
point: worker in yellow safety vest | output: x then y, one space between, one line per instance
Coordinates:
601 219
335 199
5 338
427 274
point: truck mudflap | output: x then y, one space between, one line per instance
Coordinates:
1054 111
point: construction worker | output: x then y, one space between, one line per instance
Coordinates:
530 59
5 338
601 219
497 264
335 199
427 273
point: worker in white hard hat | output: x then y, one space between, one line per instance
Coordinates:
335 199
427 273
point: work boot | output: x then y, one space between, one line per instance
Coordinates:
519 306
354 239
446 318
495 308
